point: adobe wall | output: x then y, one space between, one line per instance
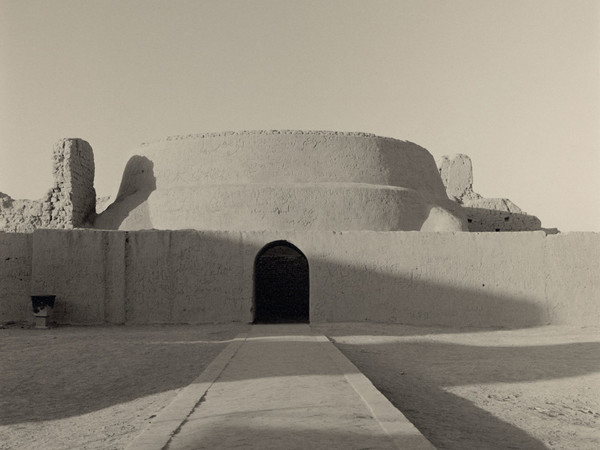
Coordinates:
15 276
483 214
454 279
188 277
458 279
21 215
71 201
86 272
73 197
572 269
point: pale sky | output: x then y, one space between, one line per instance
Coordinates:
515 84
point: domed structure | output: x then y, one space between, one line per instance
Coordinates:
282 180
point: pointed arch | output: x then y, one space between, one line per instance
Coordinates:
281 284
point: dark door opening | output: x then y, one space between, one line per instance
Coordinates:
281 284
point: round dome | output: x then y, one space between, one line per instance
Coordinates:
282 180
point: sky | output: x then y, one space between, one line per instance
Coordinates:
514 84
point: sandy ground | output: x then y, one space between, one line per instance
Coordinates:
481 389
98 387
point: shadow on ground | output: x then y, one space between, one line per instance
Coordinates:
414 376
239 436
70 371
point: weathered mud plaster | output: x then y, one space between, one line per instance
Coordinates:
186 276
15 276
260 180
483 214
86 272
70 203
284 180
255 188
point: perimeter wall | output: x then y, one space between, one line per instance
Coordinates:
15 276
454 279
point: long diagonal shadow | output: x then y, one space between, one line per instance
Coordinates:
403 372
82 375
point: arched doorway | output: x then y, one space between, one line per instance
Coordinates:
281 284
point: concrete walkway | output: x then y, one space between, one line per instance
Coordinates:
280 387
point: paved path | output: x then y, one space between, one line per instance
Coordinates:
280 387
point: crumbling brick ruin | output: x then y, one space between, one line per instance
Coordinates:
70 203
483 214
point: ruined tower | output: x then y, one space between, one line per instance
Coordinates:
71 201
72 198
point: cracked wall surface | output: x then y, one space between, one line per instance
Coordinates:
69 203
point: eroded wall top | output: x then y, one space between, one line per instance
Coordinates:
71 201
483 214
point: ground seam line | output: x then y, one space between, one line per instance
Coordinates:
351 383
185 420
159 433
351 373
